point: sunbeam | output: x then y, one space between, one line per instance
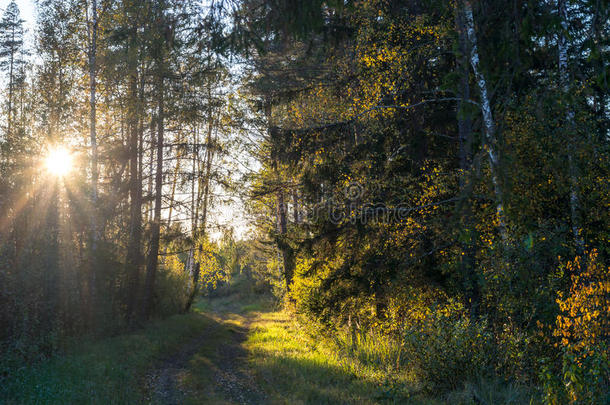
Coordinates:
59 161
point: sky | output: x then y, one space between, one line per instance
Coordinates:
28 13
224 214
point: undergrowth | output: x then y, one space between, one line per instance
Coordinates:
109 371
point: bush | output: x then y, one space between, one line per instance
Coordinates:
172 286
583 330
211 274
447 349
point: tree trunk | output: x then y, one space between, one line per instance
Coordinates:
174 182
93 25
285 248
203 197
193 170
206 181
153 255
296 208
564 79
491 142
191 268
134 255
10 85
151 168
92 112
467 260
282 228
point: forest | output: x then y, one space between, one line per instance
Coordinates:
305 202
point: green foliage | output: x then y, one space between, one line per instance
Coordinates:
346 366
104 372
579 380
447 349
172 286
376 180
66 265
399 124
241 271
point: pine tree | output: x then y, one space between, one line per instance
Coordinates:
12 54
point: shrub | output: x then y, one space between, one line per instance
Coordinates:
172 286
583 330
446 348
211 273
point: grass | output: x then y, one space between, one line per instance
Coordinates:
296 369
109 371
112 370
286 362
289 366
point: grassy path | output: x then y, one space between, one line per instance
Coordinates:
278 363
224 352
214 368
179 360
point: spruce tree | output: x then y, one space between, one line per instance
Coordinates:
11 56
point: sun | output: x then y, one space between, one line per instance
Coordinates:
58 161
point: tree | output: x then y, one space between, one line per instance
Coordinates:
133 13
160 41
564 80
11 55
92 33
489 124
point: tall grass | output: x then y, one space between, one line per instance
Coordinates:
109 371
449 361
296 368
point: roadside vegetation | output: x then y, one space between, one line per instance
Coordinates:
237 346
109 371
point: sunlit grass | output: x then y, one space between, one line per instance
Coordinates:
297 369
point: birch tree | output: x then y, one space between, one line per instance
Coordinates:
489 126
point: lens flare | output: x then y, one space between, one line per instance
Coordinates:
58 162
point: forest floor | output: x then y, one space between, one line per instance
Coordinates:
228 350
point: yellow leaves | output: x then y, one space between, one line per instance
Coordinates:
210 271
172 263
383 64
584 320
380 56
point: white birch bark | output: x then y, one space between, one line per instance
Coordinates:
488 121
